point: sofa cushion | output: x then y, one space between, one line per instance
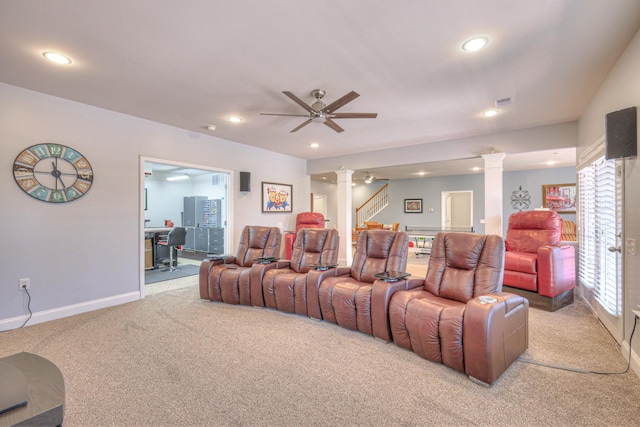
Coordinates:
455 270
529 230
521 261
520 280
435 328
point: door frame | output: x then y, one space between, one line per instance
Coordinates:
445 206
142 200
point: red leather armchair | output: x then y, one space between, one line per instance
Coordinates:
352 296
303 220
229 280
458 315
536 266
284 284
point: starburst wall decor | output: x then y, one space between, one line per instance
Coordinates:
520 199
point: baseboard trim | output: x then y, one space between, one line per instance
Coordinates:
635 358
67 311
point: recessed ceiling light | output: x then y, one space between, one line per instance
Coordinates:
490 113
421 173
475 44
211 127
324 177
314 145
550 162
57 58
234 119
476 169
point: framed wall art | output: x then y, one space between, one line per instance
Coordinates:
277 197
412 205
559 197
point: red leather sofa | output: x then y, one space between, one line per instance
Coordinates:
458 315
536 266
303 220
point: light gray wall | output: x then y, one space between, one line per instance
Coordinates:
87 254
621 90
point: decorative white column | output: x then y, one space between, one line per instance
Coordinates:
493 194
343 223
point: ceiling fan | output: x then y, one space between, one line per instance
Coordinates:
370 177
319 112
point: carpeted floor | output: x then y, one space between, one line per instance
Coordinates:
175 360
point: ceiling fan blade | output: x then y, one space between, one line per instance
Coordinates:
279 114
298 101
340 102
333 125
354 115
301 126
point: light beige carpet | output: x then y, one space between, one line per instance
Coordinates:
175 360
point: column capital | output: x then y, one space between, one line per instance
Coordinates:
344 174
493 160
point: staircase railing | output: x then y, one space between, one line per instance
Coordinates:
372 206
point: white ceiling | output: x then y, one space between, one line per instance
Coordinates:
195 63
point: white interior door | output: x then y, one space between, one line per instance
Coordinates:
457 209
320 204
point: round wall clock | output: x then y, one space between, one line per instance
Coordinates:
53 173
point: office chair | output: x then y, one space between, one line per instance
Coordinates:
175 238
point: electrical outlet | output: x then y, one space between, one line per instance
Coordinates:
630 246
25 283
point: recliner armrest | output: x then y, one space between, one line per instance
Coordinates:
494 334
314 278
380 298
556 270
257 274
205 267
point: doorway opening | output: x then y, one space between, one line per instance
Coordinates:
174 194
457 209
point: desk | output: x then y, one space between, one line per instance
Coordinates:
153 253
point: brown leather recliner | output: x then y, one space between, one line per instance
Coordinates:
352 296
458 315
284 284
229 280
536 265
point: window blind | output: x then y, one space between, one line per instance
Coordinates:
598 196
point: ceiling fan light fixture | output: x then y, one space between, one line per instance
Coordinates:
368 179
319 119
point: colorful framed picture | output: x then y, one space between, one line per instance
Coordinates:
277 197
559 197
412 205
